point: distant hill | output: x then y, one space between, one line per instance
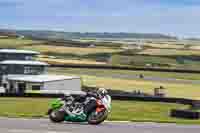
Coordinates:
193 39
57 35
8 33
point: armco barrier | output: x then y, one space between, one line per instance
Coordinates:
114 97
36 95
152 99
187 114
122 95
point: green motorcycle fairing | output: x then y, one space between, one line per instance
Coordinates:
76 118
58 103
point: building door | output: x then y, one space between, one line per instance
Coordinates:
21 87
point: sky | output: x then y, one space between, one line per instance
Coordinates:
172 17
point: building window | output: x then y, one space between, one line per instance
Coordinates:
33 70
36 87
28 58
27 70
4 67
4 85
21 87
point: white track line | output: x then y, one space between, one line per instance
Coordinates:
32 131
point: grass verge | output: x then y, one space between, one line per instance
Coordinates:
121 110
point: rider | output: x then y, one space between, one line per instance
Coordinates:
93 96
101 93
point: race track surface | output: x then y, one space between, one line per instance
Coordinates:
12 125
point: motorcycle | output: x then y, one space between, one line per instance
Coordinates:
71 110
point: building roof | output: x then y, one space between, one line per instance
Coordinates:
65 92
15 51
40 78
26 62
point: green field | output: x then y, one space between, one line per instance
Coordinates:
170 52
157 61
143 61
121 110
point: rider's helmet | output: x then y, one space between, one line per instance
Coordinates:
101 92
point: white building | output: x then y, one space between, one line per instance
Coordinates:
20 72
43 83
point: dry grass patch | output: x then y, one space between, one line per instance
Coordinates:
68 61
73 50
195 47
169 52
16 43
165 46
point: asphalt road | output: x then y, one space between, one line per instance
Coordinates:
11 125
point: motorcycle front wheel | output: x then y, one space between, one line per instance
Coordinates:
57 116
97 118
